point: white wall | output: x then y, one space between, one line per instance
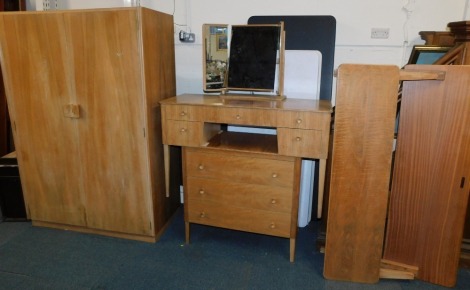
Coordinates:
355 18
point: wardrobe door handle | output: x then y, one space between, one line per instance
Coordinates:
71 111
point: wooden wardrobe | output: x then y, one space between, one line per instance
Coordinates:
83 88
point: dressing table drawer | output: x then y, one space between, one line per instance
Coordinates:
255 196
182 112
253 117
303 120
241 116
301 143
240 218
246 168
182 133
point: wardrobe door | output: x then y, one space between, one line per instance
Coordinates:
108 81
431 175
36 76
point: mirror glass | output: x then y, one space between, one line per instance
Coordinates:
254 53
215 56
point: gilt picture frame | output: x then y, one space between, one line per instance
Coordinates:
427 54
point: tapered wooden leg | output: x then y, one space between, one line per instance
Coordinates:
166 160
186 228
292 250
321 186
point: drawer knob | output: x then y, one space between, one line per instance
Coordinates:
273 201
238 117
299 121
298 139
183 113
274 175
182 130
202 215
272 226
200 167
201 191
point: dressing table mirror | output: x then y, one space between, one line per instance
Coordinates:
256 66
215 56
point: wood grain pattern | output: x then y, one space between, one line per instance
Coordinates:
240 218
107 74
253 192
256 196
256 169
243 116
158 54
289 117
183 133
301 143
319 106
459 55
362 148
302 131
302 120
103 170
37 86
184 113
428 201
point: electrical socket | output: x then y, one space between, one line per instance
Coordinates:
186 36
382 33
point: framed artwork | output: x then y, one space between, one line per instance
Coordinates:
222 42
427 54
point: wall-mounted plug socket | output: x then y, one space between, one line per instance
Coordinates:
186 36
382 33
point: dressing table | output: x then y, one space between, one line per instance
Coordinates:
245 181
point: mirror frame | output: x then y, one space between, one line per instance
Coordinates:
279 71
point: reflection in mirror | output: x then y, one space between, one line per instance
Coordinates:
215 56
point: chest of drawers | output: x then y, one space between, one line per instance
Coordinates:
243 191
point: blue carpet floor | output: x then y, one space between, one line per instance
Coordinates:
41 258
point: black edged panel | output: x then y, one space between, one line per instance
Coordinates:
309 32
